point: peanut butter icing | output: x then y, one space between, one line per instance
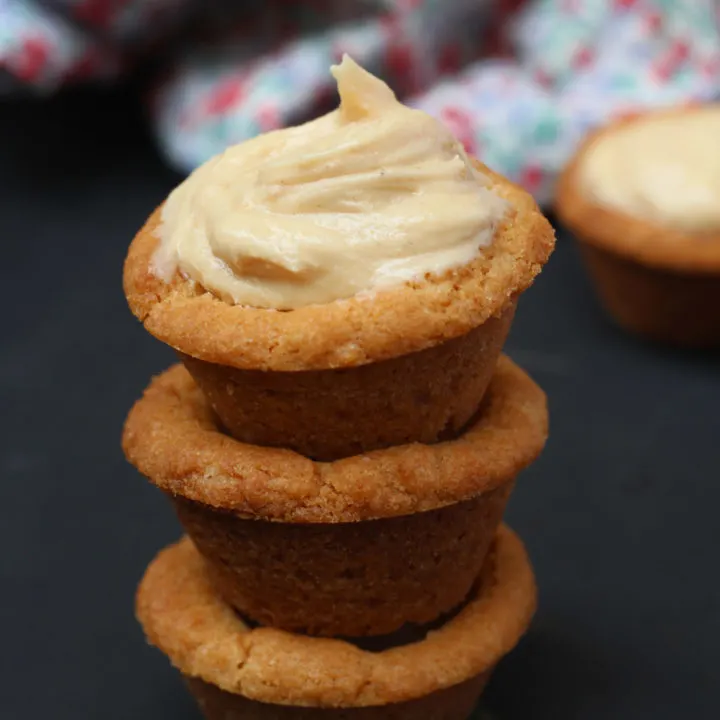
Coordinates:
664 168
371 195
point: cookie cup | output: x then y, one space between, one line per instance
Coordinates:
356 547
407 364
655 281
236 671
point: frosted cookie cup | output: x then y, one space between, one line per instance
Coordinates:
342 286
236 671
642 196
357 547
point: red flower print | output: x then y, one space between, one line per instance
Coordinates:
531 178
32 59
96 12
461 125
583 57
399 59
711 66
671 61
227 94
390 25
450 59
494 44
653 21
680 50
268 118
507 7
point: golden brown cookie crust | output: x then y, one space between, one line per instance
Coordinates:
171 437
343 333
631 237
182 616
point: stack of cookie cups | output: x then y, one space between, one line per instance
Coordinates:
341 471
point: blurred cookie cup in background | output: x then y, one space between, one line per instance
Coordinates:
642 197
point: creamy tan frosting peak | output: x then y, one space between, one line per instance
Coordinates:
368 196
663 168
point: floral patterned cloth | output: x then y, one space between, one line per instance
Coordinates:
519 82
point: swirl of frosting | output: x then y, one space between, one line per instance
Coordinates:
369 196
664 168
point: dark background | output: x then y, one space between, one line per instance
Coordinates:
619 515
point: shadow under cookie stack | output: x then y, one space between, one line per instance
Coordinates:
341 471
